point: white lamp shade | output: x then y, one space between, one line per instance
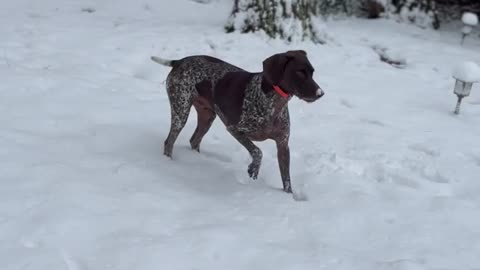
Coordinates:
463 88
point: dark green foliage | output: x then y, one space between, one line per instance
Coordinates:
291 19
453 9
328 7
277 18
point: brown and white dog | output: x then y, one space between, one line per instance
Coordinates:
253 106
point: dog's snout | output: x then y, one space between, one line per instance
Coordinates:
320 93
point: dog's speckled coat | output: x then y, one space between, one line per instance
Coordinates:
245 102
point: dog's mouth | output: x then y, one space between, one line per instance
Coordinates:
311 99
318 94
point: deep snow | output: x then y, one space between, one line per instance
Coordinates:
390 173
470 18
467 71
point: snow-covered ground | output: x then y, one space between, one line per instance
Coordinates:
391 175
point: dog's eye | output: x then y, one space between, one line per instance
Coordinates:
302 73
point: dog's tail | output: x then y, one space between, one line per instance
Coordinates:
165 62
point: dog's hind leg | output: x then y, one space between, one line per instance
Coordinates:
180 110
205 118
205 113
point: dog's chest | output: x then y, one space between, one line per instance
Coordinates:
262 117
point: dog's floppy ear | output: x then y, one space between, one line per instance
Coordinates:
274 66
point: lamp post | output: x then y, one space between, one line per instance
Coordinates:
465 75
469 20
462 89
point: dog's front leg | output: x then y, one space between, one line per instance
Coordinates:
283 156
254 151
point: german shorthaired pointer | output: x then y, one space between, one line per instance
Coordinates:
253 106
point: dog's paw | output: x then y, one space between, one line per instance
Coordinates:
167 154
195 146
287 187
253 171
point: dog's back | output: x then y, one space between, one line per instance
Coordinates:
198 66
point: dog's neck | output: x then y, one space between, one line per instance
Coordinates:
270 88
278 100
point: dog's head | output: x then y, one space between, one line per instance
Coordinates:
292 72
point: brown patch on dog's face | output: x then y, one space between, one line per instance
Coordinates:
294 74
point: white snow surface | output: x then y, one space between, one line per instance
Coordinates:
467 71
470 18
391 175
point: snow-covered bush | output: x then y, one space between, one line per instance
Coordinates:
287 19
419 12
